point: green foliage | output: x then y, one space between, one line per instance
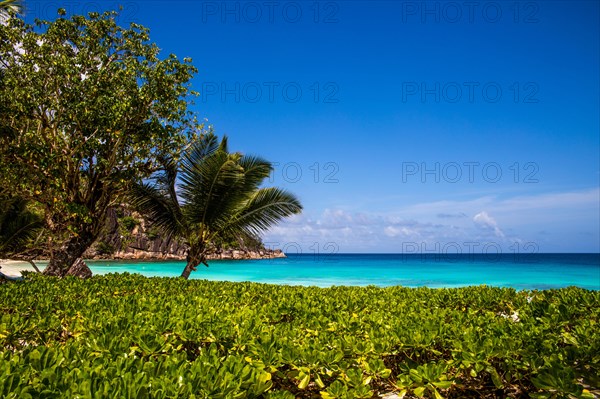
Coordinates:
19 226
87 107
425 379
104 248
128 222
128 336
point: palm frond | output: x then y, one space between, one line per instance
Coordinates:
18 226
167 176
256 170
166 181
263 210
199 150
160 208
210 185
223 146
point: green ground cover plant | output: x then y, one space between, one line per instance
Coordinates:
127 336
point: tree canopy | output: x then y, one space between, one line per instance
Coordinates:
86 107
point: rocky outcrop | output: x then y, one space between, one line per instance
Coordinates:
139 254
127 236
240 254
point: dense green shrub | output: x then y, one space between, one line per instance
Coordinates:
128 222
127 336
105 248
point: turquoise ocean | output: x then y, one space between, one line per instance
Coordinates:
520 271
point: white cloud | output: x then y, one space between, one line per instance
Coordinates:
442 222
392 231
486 222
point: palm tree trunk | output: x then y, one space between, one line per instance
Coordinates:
194 258
32 263
189 268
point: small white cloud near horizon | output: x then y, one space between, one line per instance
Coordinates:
393 231
486 222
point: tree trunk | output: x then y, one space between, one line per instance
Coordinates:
194 258
189 268
80 269
32 263
62 259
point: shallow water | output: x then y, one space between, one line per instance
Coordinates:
534 271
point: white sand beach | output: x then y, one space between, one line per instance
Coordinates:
13 268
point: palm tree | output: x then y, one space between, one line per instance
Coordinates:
211 195
18 226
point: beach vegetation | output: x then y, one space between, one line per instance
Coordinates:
129 336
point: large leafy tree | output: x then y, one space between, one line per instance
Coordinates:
210 196
85 108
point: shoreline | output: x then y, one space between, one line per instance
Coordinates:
13 268
234 254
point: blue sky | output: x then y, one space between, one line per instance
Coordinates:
443 126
